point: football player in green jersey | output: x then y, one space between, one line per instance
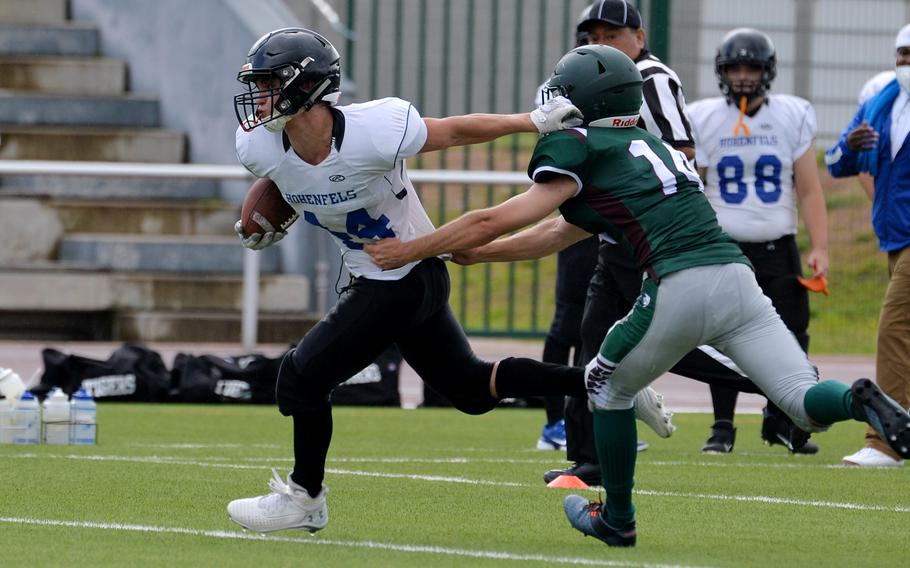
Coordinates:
697 289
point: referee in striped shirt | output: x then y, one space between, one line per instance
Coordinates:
617 282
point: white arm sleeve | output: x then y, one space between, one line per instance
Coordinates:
694 111
806 132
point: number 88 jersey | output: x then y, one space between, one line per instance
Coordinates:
749 179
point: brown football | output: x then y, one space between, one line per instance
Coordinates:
265 210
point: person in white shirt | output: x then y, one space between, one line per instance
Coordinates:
755 152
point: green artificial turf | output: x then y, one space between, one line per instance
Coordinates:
432 487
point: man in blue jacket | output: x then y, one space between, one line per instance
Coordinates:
876 143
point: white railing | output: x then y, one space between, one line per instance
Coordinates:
213 171
250 311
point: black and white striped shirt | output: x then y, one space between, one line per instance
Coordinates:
663 112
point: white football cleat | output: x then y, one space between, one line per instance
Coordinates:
870 457
650 409
288 506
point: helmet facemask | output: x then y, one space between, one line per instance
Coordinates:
294 91
549 92
735 90
745 46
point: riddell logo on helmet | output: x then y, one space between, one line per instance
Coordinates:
624 121
616 121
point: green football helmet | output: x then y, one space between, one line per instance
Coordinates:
601 81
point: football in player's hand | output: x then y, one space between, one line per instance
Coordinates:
265 210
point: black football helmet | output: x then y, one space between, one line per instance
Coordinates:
748 47
306 66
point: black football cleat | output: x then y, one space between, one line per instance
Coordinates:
807 449
778 428
587 517
885 415
587 472
723 436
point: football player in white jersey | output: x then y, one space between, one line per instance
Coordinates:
342 169
754 150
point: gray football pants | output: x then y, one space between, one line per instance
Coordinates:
719 305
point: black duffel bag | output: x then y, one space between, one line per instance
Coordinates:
210 378
376 385
132 373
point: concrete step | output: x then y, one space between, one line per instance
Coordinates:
63 75
145 217
56 326
55 287
92 143
218 327
33 11
163 253
58 301
48 39
278 293
60 287
108 188
26 108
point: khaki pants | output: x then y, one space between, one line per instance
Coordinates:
892 359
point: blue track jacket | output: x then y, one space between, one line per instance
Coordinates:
891 203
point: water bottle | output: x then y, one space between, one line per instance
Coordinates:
84 417
11 385
6 421
56 418
27 420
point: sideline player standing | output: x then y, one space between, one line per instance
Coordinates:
697 288
755 153
343 170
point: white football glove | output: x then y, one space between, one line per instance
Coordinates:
557 113
258 241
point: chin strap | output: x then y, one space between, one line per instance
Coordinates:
743 102
278 124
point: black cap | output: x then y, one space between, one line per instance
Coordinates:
616 12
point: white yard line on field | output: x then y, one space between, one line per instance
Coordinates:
544 461
164 460
540 462
203 446
777 501
458 461
193 446
315 540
